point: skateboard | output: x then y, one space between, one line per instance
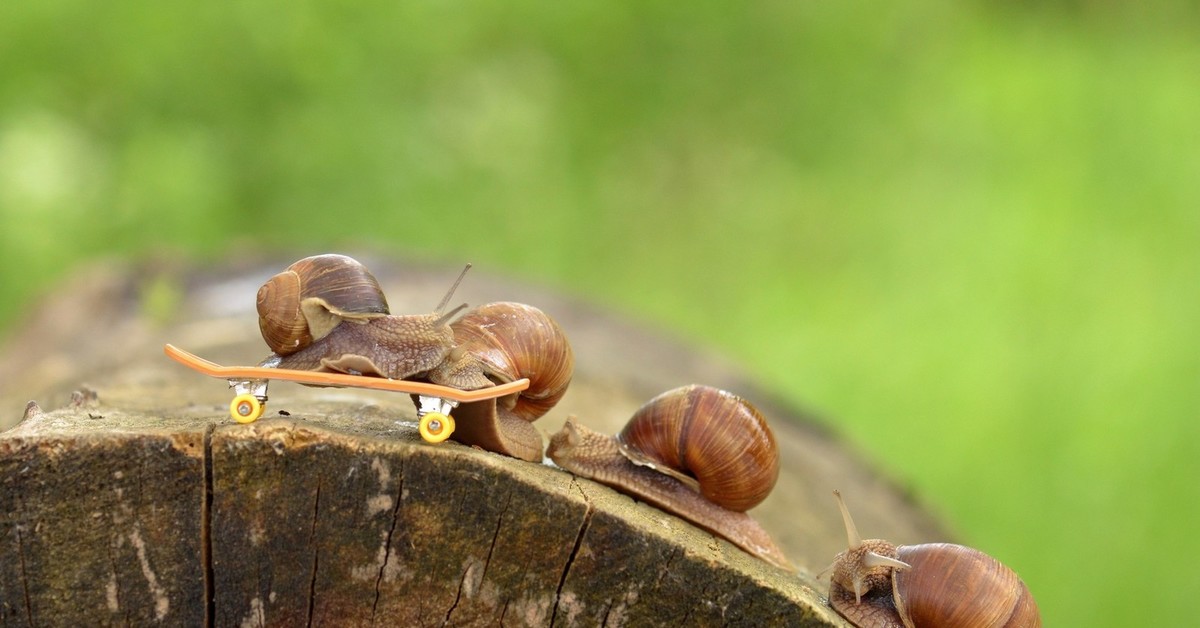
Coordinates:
434 402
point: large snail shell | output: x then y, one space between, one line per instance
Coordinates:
514 340
953 585
312 296
711 435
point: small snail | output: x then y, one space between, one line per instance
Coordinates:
302 311
875 584
701 453
332 315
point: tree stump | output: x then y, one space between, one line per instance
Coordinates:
143 503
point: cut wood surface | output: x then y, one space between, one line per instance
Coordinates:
148 505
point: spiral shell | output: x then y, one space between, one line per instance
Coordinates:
312 296
953 585
513 340
712 437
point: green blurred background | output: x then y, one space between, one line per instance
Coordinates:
968 233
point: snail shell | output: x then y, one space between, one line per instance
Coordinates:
710 437
513 340
498 343
934 585
312 297
704 431
988 592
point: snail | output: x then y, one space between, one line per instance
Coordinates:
875 584
327 312
336 319
698 452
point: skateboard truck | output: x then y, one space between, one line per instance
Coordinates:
250 395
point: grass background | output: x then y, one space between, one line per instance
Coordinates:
966 232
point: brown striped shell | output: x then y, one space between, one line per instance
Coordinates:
953 585
875 584
312 296
709 438
513 340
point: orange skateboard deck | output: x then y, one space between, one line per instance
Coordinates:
250 383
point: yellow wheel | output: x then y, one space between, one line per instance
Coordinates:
436 427
245 408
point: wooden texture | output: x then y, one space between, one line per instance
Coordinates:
104 527
151 498
122 517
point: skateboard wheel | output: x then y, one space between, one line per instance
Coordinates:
245 408
436 427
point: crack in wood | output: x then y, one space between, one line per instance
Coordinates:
458 596
25 578
206 553
387 552
495 535
583 528
666 567
503 612
607 610
312 537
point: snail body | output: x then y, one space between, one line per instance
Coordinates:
701 453
395 347
875 584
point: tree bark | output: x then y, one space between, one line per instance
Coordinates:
150 506
132 518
